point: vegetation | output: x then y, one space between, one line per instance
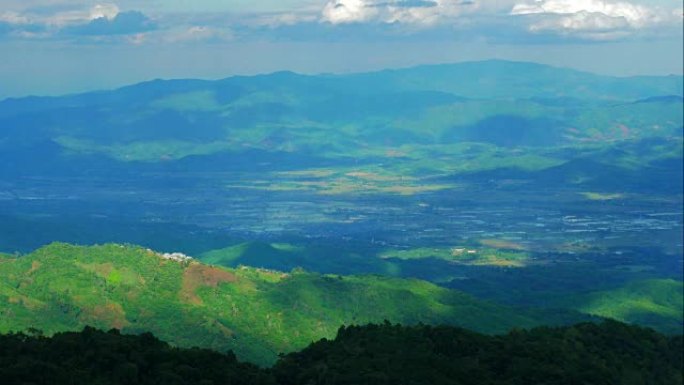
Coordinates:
602 197
463 255
609 353
93 357
656 302
257 313
349 174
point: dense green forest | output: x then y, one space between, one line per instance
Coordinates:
94 357
608 353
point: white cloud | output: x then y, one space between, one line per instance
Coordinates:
587 19
349 11
415 12
11 17
582 21
630 12
60 19
590 19
595 19
63 18
108 11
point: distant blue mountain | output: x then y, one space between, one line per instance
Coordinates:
294 120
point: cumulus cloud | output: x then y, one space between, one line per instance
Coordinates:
348 11
630 12
123 23
107 11
97 20
493 20
584 19
598 19
417 12
78 16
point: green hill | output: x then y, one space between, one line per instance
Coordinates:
657 303
257 313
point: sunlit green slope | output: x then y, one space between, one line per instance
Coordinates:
658 303
257 313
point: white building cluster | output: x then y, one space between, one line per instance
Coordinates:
178 257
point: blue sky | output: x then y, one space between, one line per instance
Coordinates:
62 46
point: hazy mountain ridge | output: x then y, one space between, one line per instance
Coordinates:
208 108
305 121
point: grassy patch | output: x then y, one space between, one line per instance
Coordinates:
594 196
463 255
658 303
344 181
145 151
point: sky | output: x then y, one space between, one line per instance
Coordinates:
52 47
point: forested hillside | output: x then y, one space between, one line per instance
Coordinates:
385 354
255 312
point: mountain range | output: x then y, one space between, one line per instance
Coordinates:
487 195
308 120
